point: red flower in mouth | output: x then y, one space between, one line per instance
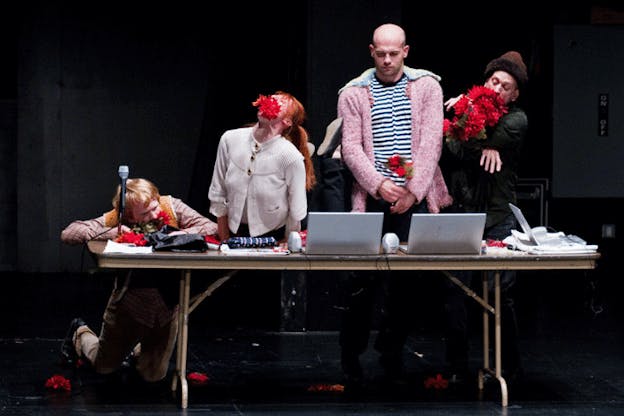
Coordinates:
137 235
268 106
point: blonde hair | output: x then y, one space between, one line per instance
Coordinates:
298 136
139 192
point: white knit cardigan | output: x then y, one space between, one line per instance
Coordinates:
267 179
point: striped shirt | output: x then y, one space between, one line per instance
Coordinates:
392 125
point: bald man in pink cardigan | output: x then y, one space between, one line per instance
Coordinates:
391 142
427 115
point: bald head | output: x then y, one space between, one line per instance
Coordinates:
388 50
389 33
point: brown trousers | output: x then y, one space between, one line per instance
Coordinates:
121 334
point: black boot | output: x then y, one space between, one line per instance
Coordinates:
68 350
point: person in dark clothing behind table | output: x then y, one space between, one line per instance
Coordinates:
482 176
140 315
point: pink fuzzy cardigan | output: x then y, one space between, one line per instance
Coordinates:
354 106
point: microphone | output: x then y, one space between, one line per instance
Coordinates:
123 176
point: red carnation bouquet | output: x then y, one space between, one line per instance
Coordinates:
268 106
479 108
137 235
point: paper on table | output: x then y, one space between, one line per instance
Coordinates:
555 243
113 247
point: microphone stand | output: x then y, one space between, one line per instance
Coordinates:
121 211
123 176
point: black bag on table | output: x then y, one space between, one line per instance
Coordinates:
162 241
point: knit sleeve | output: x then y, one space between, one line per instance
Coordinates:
357 138
82 231
192 221
427 140
509 132
297 196
217 194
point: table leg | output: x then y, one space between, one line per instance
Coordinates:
486 332
498 341
497 372
182 344
487 308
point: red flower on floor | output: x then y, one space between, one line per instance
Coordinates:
197 379
58 382
438 382
326 387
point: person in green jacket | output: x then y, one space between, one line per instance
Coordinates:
482 176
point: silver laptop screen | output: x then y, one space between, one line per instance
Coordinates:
344 232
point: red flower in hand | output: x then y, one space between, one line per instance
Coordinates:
268 106
58 382
401 167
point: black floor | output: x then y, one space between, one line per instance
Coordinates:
573 359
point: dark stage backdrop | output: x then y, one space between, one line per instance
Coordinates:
155 88
151 89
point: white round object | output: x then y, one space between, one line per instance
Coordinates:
294 242
390 243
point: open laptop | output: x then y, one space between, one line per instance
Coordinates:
449 233
539 236
344 232
536 235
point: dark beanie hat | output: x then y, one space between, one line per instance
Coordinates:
512 63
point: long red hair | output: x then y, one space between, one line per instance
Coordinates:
298 135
